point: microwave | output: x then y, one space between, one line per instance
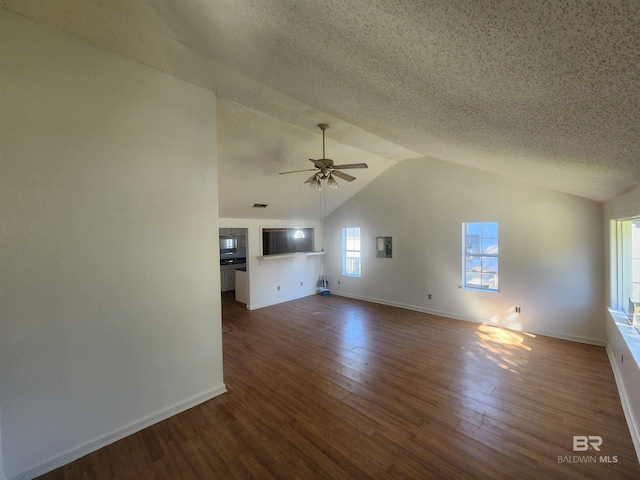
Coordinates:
228 245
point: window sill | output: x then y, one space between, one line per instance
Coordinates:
629 333
479 290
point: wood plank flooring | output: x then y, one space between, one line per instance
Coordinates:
334 388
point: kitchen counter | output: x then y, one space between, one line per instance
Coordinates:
232 261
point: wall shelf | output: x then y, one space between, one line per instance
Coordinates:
288 255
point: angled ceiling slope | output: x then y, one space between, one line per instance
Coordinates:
545 92
248 171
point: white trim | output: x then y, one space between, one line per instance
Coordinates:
479 290
634 427
629 333
559 335
254 306
91 446
631 338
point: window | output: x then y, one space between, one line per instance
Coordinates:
351 252
480 256
625 267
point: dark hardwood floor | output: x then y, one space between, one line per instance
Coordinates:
333 388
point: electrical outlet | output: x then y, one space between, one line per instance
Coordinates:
518 310
301 284
278 287
338 282
430 297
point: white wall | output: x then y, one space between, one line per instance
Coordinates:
288 273
551 246
623 340
110 305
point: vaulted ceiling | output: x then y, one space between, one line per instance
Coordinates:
547 92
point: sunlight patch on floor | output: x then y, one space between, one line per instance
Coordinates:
506 348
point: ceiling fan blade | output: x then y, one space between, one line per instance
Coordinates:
351 165
317 163
296 171
343 176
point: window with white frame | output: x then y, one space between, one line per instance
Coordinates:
625 267
480 256
351 265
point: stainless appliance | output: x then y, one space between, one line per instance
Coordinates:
228 245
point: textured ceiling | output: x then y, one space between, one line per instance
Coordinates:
547 92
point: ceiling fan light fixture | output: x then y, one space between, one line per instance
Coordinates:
316 184
331 182
325 168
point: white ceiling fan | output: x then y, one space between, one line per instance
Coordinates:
326 170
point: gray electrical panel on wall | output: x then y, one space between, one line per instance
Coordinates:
384 247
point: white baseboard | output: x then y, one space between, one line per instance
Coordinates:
632 421
276 301
74 453
559 335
